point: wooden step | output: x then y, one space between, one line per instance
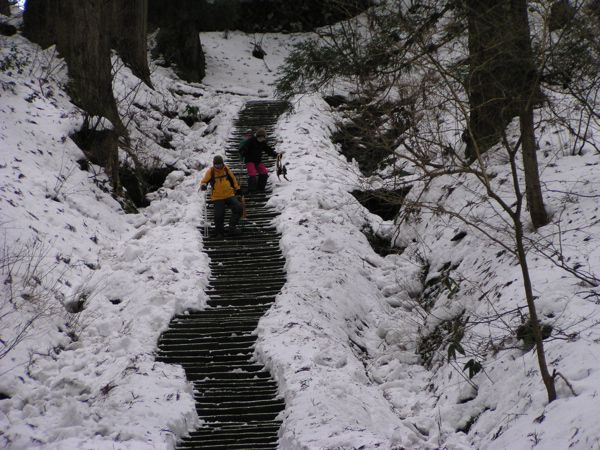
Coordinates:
235 395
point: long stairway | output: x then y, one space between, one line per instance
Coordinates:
236 396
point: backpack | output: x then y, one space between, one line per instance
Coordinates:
227 174
242 147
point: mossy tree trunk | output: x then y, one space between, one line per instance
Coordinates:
84 32
503 84
527 95
490 73
81 31
40 21
83 38
130 26
180 46
178 39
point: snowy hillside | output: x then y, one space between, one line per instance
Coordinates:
87 289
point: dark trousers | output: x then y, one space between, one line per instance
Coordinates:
236 212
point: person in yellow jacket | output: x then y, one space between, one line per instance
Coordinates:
225 187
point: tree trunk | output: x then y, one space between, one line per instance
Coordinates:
178 40
81 31
5 7
129 22
83 40
39 22
503 84
528 94
533 318
533 187
180 46
491 74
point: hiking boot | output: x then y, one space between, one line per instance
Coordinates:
252 184
262 182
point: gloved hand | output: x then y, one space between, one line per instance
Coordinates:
203 187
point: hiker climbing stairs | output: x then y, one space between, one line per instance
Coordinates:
236 397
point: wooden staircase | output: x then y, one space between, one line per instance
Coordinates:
236 397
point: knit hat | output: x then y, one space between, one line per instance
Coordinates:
218 160
261 132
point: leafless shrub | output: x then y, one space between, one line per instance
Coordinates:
30 290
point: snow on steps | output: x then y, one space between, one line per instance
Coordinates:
236 397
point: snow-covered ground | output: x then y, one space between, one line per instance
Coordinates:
341 337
